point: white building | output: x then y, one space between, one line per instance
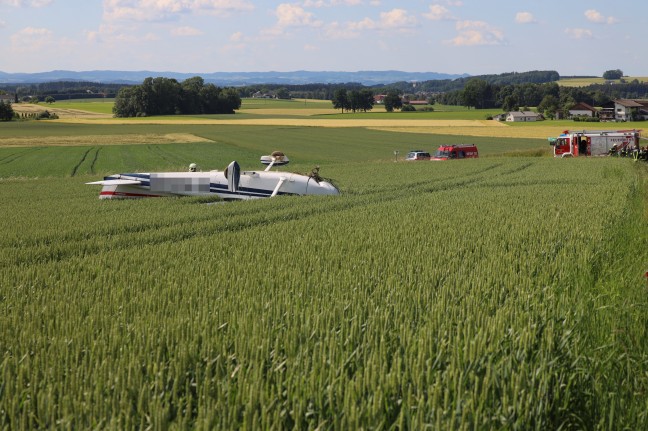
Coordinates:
517 116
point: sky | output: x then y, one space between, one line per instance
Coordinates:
573 37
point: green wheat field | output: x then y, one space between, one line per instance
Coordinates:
494 293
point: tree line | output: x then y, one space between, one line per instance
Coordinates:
448 85
164 96
549 97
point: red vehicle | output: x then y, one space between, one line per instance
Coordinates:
465 151
594 142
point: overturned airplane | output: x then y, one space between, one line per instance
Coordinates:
230 184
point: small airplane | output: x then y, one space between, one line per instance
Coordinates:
230 184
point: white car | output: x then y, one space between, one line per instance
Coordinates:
417 155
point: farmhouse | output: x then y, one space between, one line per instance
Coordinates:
582 109
630 109
624 110
261 95
517 116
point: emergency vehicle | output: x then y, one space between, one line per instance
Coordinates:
464 151
594 142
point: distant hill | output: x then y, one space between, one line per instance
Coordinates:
368 78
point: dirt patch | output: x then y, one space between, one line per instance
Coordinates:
134 139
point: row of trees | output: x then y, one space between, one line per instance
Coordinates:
363 100
164 96
480 94
354 100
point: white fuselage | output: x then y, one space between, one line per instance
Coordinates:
250 185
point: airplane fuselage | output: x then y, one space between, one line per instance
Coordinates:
243 185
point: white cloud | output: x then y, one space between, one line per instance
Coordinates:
186 31
328 3
438 13
31 39
236 37
477 33
289 15
579 33
26 3
397 18
593 15
336 31
524 18
116 34
394 19
154 10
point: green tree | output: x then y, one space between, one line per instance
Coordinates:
341 100
6 111
549 105
566 103
476 93
510 103
613 74
392 101
283 93
190 95
50 100
367 100
163 96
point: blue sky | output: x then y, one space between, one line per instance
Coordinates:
574 37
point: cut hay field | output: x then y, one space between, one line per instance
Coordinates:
491 293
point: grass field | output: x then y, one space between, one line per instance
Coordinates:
492 293
584 82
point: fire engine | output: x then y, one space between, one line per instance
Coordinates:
464 151
594 142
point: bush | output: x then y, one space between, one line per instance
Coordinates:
46 115
408 108
586 119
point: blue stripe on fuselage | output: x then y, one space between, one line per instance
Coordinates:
245 191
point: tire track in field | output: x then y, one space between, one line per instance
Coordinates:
94 160
15 156
158 152
126 237
78 165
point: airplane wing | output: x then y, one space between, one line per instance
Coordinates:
116 182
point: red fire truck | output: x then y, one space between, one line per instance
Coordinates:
594 142
465 151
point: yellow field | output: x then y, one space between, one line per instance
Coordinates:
298 118
149 138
